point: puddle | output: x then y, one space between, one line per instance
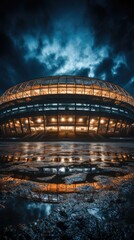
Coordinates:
35 176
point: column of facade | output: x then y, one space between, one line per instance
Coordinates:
74 124
120 130
21 126
108 125
115 126
9 128
125 128
88 124
5 129
129 127
29 124
14 127
44 124
98 125
2 129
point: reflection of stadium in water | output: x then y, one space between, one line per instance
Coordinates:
93 157
59 169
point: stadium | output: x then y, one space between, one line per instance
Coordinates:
66 107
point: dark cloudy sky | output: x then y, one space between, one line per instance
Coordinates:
70 37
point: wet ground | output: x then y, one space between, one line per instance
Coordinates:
66 190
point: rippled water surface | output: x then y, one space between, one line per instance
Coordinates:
49 173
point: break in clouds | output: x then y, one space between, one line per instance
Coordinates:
72 37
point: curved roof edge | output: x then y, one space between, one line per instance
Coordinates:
91 80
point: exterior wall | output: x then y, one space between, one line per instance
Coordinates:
65 125
64 104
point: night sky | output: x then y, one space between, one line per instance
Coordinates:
69 37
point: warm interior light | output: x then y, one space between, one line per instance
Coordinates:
38 159
102 121
39 128
39 120
70 119
26 121
62 159
53 119
92 120
80 119
111 122
62 119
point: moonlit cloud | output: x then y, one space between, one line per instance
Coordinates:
117 62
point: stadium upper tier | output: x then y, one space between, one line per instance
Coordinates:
67 85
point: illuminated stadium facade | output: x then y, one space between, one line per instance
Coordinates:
66 106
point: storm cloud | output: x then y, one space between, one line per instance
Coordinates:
71 37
